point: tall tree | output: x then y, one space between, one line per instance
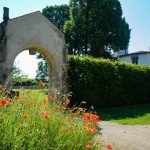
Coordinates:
96 27
93 27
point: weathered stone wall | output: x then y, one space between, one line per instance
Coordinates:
2 41
3 27
1 73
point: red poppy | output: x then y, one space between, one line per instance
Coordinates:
50 97
4 102
109 147
88 146
43 112
47 117
56 98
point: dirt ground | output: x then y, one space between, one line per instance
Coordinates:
125 137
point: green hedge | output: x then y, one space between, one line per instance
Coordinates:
106 83
25 82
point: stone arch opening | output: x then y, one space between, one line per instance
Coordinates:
53 83
29 67
22 67
47 55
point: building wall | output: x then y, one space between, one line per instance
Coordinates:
144 59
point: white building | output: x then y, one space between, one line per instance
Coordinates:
140 57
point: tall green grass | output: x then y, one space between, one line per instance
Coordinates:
32 122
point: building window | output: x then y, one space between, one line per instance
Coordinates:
134 59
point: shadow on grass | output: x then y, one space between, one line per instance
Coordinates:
107 114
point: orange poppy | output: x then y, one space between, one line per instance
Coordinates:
57 107
91 129
74 114
45 101
41 83
67 101
25 116
88 146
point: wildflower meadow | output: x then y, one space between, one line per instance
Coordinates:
34 120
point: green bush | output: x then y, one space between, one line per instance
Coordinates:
26 82
106 83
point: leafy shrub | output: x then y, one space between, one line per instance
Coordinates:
106 83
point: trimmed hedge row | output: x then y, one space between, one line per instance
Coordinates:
106 83
25 82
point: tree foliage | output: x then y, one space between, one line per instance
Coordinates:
42 72
57 14
18 73
96 27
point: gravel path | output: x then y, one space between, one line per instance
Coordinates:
126 137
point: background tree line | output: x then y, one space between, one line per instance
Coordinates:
93 27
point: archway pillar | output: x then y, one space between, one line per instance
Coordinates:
55 84
7 78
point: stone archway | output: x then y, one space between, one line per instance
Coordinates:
34 32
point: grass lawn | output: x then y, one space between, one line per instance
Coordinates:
139 114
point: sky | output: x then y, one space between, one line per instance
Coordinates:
136 12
